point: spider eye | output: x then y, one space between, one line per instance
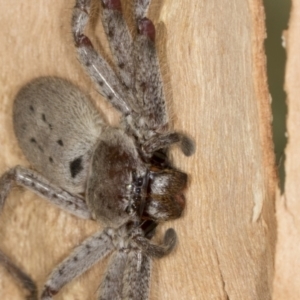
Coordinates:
139 181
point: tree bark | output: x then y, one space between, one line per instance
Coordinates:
287 263
213 65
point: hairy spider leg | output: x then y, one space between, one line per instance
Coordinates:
107 82
21 277
80 260
41 186
120 40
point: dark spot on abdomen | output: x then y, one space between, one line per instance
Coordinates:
33 140
45 120
76 166
60 142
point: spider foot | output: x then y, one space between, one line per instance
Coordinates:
146 27
170 240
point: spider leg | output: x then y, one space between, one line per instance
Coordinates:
157 251
81 259
111 286
120 39
41 186
148 83
21 277
140 8
165 140
96 66
136 281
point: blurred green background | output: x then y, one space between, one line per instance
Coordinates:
277 17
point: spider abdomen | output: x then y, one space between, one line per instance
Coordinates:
57 128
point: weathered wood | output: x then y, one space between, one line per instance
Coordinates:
214 69
287 263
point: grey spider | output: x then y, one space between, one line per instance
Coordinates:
121 176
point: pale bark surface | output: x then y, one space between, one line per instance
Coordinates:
214 69
287 263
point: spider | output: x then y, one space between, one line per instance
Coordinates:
120 176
